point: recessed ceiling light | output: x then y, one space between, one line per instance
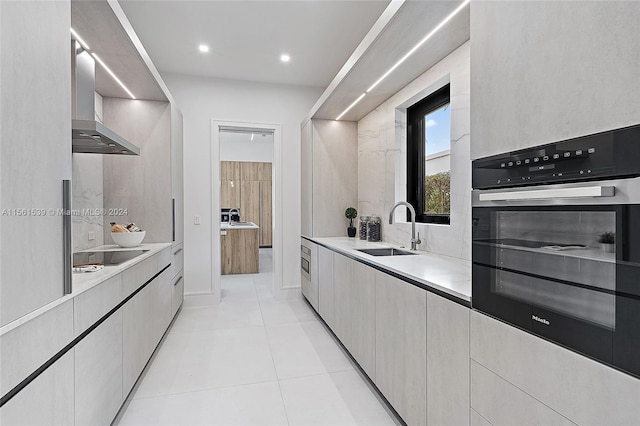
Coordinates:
285 58
203 48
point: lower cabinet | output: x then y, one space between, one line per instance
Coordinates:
401 342
413 344
325 285
178 293
98 374
448 372
46 400
354 310
137 336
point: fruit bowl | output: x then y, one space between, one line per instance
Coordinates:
128 239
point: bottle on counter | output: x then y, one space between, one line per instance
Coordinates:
374 228
364 220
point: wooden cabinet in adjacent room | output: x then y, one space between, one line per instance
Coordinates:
247 186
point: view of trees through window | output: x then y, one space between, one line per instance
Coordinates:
437 197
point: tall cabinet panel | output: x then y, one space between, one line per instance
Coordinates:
35 151
177 174
329 162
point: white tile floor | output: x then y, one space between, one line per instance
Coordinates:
253 360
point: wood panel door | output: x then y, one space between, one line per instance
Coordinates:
266 206
230 170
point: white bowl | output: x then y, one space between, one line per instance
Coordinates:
128 239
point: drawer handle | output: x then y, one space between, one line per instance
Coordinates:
177 281
177 251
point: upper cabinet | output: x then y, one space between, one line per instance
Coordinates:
35 152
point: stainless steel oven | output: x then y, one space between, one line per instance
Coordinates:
560 258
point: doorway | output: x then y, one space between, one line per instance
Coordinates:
246 234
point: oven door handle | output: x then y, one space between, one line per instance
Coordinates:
550 194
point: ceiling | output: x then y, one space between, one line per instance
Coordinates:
246 38
98 26
406 28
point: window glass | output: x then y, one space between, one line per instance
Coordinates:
437 126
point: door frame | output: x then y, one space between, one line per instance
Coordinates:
276 184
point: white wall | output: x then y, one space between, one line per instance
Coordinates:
204 99
240 147
382 159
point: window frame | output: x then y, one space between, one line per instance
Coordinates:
416 157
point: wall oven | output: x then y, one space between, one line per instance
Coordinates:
538 218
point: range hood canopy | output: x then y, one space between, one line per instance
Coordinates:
88 135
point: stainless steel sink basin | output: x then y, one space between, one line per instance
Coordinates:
387 251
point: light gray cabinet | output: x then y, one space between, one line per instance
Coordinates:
342 278
35 151
162 299
137 336
573 386
98 374
177 174
400 346
329 176
178 293
354 310
447 362
48 400
325 285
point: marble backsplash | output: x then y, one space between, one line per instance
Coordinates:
382 159
87 188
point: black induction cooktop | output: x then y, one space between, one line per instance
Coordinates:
107 258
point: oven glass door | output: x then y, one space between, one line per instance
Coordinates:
542 268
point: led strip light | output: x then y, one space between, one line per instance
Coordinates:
409 53
101 62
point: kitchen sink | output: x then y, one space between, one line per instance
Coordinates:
387 251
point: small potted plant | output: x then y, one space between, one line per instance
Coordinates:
607 242
351 213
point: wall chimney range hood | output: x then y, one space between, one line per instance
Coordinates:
89 135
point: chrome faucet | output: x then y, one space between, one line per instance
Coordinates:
414 241
231 214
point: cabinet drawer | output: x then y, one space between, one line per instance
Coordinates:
28 346
177 262
164 257
178 292
138 274
94 303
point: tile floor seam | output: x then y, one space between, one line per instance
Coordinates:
204 390
284 406
315 374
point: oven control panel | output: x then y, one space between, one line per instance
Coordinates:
603 155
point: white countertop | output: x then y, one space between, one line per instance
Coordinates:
239 225
83 281
447 274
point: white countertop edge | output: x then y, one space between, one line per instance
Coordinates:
349 246
93 279
248 225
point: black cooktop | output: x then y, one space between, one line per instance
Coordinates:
526 243
105 257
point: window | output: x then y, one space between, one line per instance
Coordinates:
428 157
